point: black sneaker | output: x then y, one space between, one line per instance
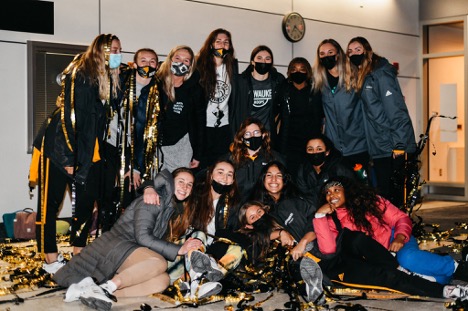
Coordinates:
462 271
312 276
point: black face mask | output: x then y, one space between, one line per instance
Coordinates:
328 61
220 52
298 77
357 59
263 68
146 72
316 158
263 224
253 143
220 188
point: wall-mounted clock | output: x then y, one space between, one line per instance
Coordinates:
293 27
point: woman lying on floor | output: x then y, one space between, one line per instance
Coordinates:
130 259
359 258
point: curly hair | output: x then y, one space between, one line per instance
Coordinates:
239 149
361 201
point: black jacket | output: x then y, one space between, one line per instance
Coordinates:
310 183
297 123
244 98
90 116
248 173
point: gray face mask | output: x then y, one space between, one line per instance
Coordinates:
179 69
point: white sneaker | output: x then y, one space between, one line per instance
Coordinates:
53 267
426 277
205 290
201 264
75 290
313 277
456 291
94 297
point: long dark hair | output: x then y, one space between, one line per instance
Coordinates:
289 188
201 201
207 66
178 226
258 235
361 201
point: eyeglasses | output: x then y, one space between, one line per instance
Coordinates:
255 133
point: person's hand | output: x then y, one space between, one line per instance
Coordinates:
150 196
194 163
397 243
398 153
286 238
136 180
298 251
326 208
69 169
190 244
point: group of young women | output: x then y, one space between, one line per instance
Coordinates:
249 136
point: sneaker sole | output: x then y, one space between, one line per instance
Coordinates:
96 304
313 277
201 263
212 292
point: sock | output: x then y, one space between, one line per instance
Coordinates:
109 286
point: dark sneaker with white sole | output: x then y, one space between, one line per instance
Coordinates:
313 277
201 264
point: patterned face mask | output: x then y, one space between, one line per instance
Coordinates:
179 69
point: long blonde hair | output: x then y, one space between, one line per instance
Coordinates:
165 74
345 76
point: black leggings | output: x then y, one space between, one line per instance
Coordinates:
364 261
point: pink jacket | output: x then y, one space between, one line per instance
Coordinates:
394 218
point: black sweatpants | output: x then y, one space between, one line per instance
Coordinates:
364 261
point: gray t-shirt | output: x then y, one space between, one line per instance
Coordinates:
262 101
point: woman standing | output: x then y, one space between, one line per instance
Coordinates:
251 151
181 131
300 114
389 131
131 257
257 90
343 113
69 145
218 69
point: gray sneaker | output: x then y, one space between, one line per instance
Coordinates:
94 297
456 292
200 263
75 290
312 276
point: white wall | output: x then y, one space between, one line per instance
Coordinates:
390 25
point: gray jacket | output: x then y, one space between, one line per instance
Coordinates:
344 120
387 122
142 225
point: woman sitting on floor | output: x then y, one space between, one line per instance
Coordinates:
130 259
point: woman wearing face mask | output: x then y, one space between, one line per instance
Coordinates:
130 259
322 161
343 113
218 69
257 90
301 113
70 142
214 206
251 150
389 129
182 112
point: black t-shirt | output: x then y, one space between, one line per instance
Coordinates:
262 100
332 81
